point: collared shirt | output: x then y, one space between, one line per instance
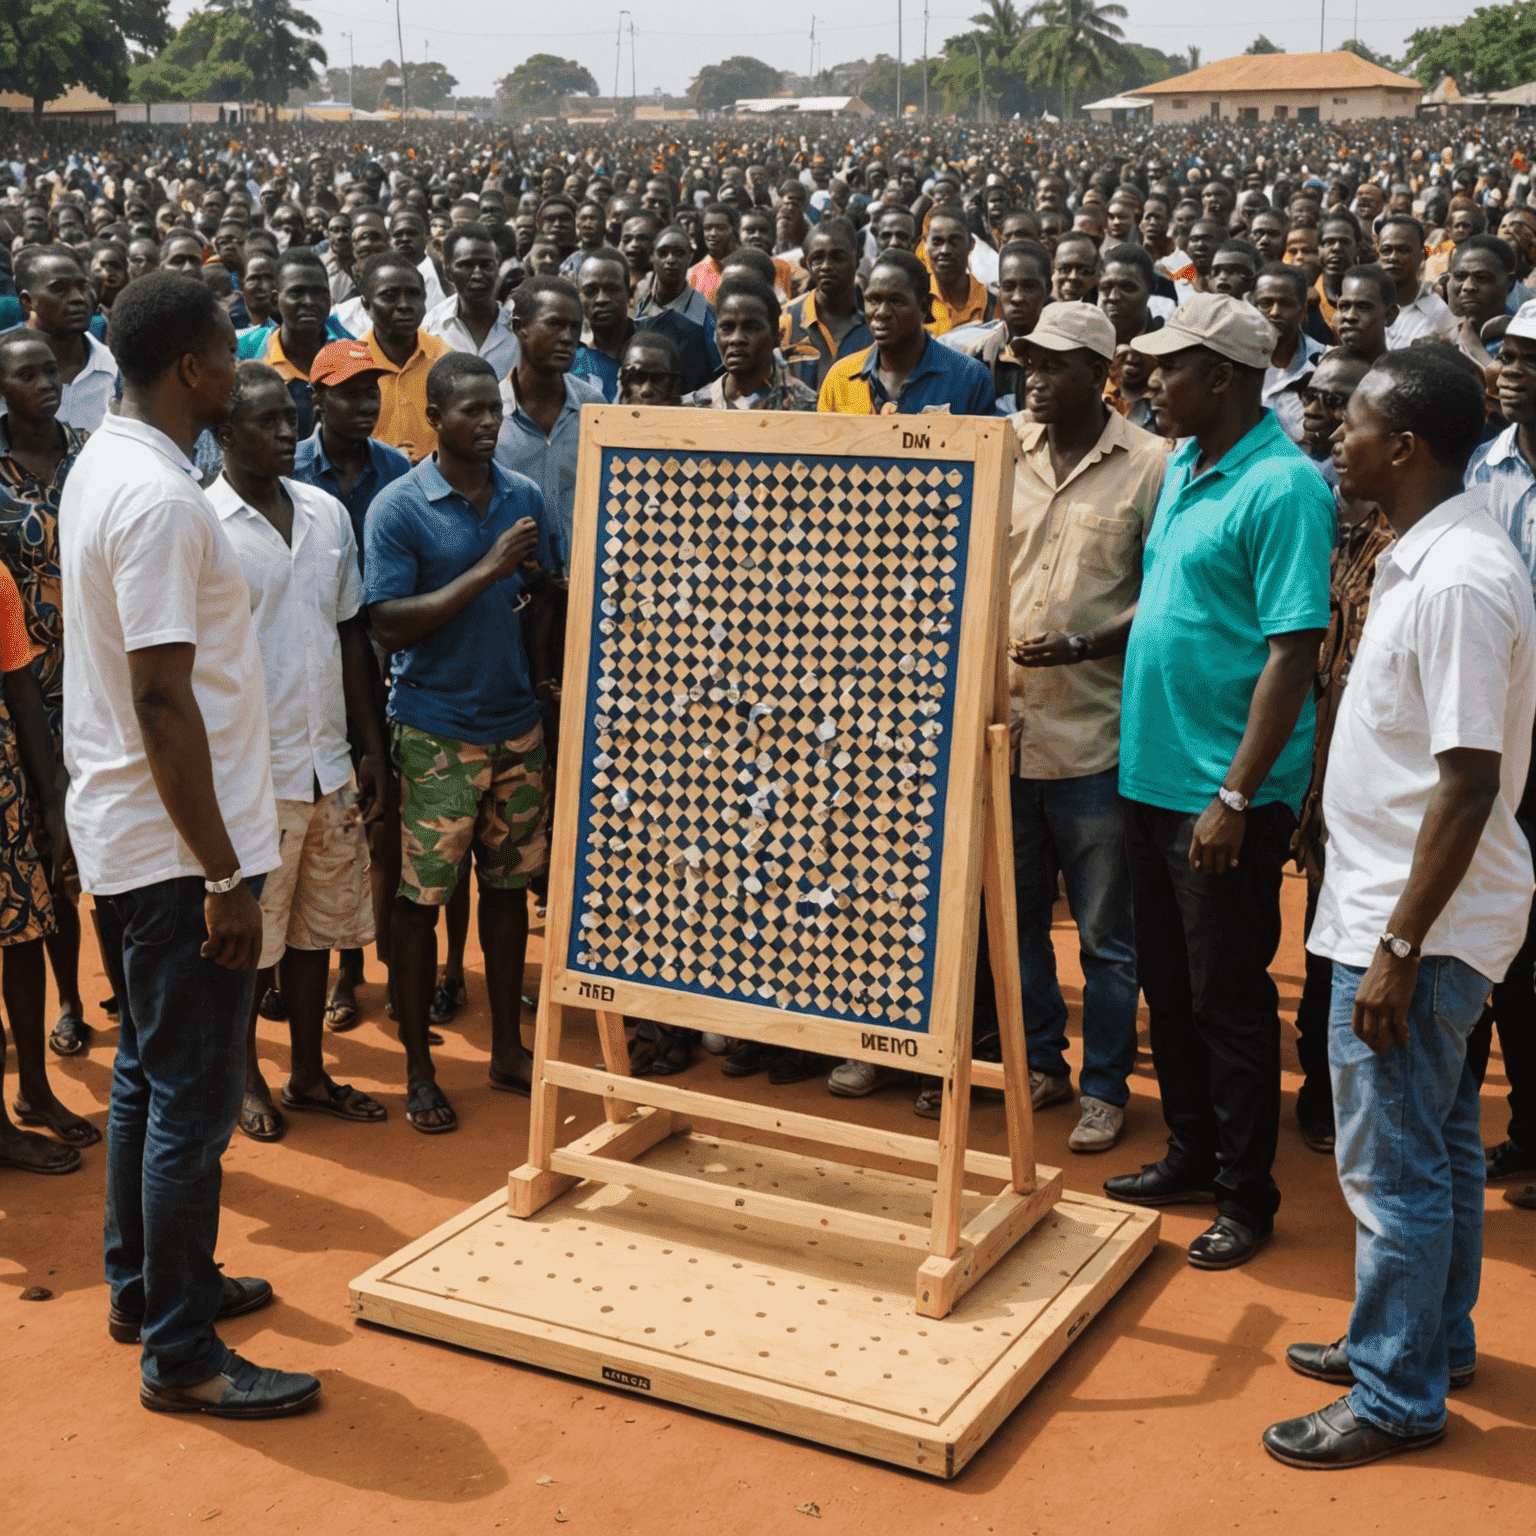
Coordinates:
980 303
297 380
87 397
1237 554
351 315
549 460
403 414
944 380
1326 308
989 345
300 592
598 368
808 344
252 343
696 349
1428 315
690 304
499 348
383 466
467 680
1510 491
145 562
705 276
1074 559
782 392
1283 386
29 546
1447 659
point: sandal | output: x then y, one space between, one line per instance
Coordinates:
72 1131
109 1007
510 1082
448 999
341 1100
340 1017
673 1053
36 1154
272 1006
70 1035
422 1099
253 1109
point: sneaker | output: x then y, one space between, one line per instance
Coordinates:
1508 1159
1045 1090
1100 1126
716 1045
855 1079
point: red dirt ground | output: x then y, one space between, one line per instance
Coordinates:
1149 1424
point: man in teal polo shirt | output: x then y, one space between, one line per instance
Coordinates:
1215 754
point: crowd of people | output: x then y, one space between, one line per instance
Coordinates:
287 479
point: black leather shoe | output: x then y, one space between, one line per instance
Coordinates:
1318 1132
1508 1161
1158 1184
749 1060
1330 1362
1333 1438
240 1391
1225 1244
240 1297
795 1067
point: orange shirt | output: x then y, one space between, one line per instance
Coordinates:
403 420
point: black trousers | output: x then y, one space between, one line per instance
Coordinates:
1314 1101
1513 1008
1203 948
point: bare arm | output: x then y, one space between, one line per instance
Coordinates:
399 622
176 744
358 671
1052 650
1278 695
24 700
1442 853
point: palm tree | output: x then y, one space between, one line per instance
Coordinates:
1074 42
1001 28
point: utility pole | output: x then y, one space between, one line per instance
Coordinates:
810 73
1322 22
618 54
631 64
400 38
898 60
351 74
925 60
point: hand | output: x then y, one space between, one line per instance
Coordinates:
1380 1016
58 840
1050 650
1217 839
513 545
371 786
234 929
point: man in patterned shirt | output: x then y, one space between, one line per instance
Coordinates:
747 331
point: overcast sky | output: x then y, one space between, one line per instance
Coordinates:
481 40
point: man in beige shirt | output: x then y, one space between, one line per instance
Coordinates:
1083 502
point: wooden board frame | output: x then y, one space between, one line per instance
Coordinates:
975 870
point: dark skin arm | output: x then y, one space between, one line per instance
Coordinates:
1442 853
357 670
543 622
176 744
1278 695
1051 650
24 700
399 622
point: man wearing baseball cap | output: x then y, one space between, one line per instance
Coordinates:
1215 756
1083 501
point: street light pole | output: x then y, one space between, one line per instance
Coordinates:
400 38
925 60
981 86
898 60
351 74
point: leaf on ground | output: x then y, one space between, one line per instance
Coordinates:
544 1480
813 1510
559 1517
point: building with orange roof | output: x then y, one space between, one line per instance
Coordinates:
1273 87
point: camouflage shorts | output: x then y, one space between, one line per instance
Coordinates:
458 795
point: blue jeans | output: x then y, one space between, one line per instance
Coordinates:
176 1088
1074 827
1411 1165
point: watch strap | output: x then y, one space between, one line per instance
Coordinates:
1232 799
223 887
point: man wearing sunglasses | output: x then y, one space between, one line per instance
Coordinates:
1323 399
650 372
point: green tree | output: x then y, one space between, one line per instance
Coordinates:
1492 50
1355 46
204 61
426 85
282 52
539 84
1001 29
877 86
1194 58
740 78
1262 44
1075 43
46 46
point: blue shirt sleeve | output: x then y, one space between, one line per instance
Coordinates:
1291 538
391 560
981 396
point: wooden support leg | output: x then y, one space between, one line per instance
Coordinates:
610 1030
535 1184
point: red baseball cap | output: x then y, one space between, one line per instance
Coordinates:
340 361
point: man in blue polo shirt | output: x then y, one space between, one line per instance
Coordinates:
457 554
906 372
1215 756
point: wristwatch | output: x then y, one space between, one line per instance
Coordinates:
1079 646
1401 948
223 887
1232 800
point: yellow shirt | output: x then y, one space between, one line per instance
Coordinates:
980 304
403 413
1074 554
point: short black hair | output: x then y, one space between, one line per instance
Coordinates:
30 257
726 211
459 234
1369 272
748 285
180 234
526 296
911 268
449 372
302 256
156 320
1129 255
1340 216
835 227
654 341
608 256
10 340
1437 394
1409 221
1293 275
1502 250
250 376
380 261
1028 250
1244 248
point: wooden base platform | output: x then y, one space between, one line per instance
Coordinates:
809 1336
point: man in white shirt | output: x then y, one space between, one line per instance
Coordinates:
1421 311
174 826
296 547
1423 905
471 320
57 297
